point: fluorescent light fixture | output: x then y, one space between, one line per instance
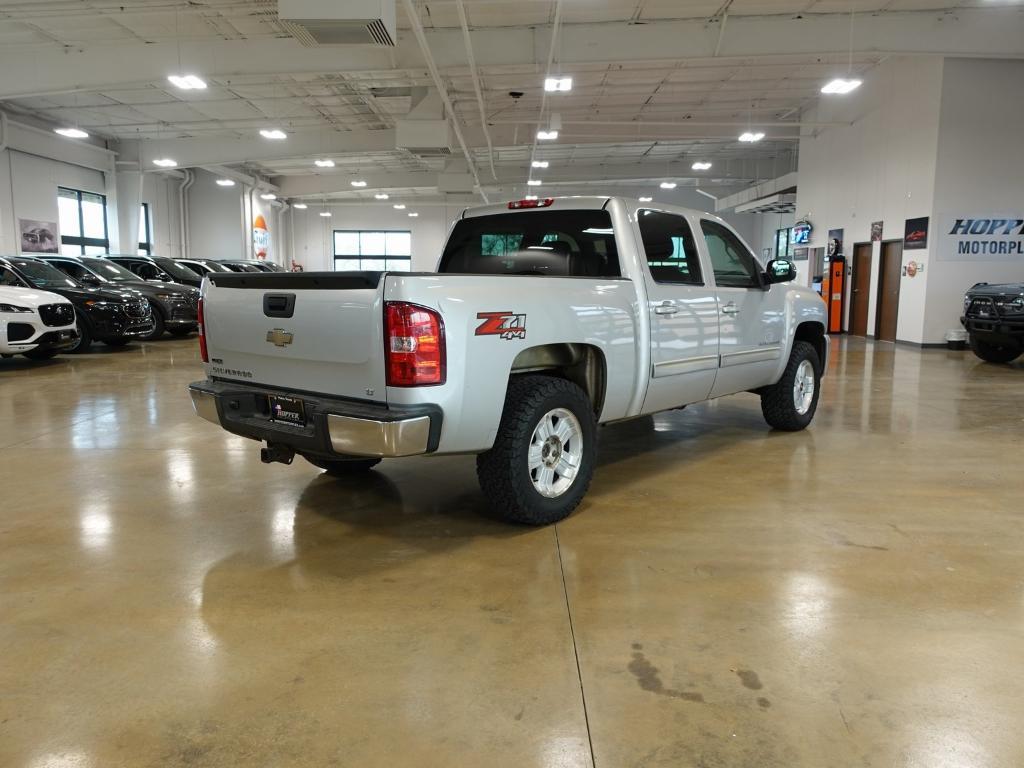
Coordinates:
165 162
749 137
413 215
547 135
273 133
268 196
557 84
534 182
399 206
187 82
358 183
530 197
323 163
539 164
701 166
72 133
381 196
300 206
841 86
668 185
646 199
225 182
325 214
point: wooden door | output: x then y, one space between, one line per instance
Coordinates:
889 290
861 289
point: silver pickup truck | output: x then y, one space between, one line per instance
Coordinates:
544 319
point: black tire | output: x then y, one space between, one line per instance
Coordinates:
116 342
504 472
778 402
993 353
180 332
84 336
342 467
158 323
41 354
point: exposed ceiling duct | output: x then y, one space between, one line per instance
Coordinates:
330 22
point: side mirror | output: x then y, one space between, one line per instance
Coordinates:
780 271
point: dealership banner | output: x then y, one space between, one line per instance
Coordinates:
979 237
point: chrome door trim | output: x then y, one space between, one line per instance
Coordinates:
685 365
751 355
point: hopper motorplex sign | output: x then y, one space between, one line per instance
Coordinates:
982 237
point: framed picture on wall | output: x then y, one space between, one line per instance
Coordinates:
38 236
915 234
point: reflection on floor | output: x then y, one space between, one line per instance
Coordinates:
849 596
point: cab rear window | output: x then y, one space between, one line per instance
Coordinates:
545 243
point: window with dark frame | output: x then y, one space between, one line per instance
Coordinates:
83 222
670 248
372 250
145 231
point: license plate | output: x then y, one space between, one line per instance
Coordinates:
288 410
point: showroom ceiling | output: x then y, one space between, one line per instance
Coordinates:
644 101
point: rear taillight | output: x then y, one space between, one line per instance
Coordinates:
202 333
413 345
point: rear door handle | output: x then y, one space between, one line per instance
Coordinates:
730 309
665 309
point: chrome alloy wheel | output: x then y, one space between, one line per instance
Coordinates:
803 387
556 450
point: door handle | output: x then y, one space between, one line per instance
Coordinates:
730 309
665 309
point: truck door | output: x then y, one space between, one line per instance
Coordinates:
752 319
683 313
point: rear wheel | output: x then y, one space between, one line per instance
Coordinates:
790 404
342 467
543 457
993 353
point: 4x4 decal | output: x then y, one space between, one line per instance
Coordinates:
507 325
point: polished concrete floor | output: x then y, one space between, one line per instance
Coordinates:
849 596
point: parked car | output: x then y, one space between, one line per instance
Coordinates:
174 305
994 319
248 265
546 318
203 267
36 324
157 269
114 316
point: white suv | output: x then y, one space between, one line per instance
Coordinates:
36 324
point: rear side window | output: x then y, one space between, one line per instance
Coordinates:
552 243
670 249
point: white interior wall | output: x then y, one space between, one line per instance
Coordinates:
215 223
160 191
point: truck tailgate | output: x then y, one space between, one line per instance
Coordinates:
312 332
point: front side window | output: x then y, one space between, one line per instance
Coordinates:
733 264
83 222
670 249
72 269
372 251
551 243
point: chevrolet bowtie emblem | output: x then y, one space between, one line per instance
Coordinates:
279 337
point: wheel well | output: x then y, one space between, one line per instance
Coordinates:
582 364
814 334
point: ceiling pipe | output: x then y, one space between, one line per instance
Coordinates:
421 38
476 84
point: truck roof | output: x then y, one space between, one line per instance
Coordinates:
584 202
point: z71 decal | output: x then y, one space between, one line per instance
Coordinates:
507 325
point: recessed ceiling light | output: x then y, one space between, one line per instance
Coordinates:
646 199
668 185
187 82
558 84
750 137
547 135
72 133
358 183
165 162
399 206
841 86
268 196
325 214
530 197
323 163
534 182
273 133
701 166
539 164
225 182
414 214
300 206
381 196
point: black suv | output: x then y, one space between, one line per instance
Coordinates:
157 268
994 319
174 305
114 316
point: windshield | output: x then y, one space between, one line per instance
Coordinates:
108 270
552 243
42 275
174 269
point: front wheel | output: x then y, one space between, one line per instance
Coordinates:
343 467
84 336
542 460
158 324
993 353
790 404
